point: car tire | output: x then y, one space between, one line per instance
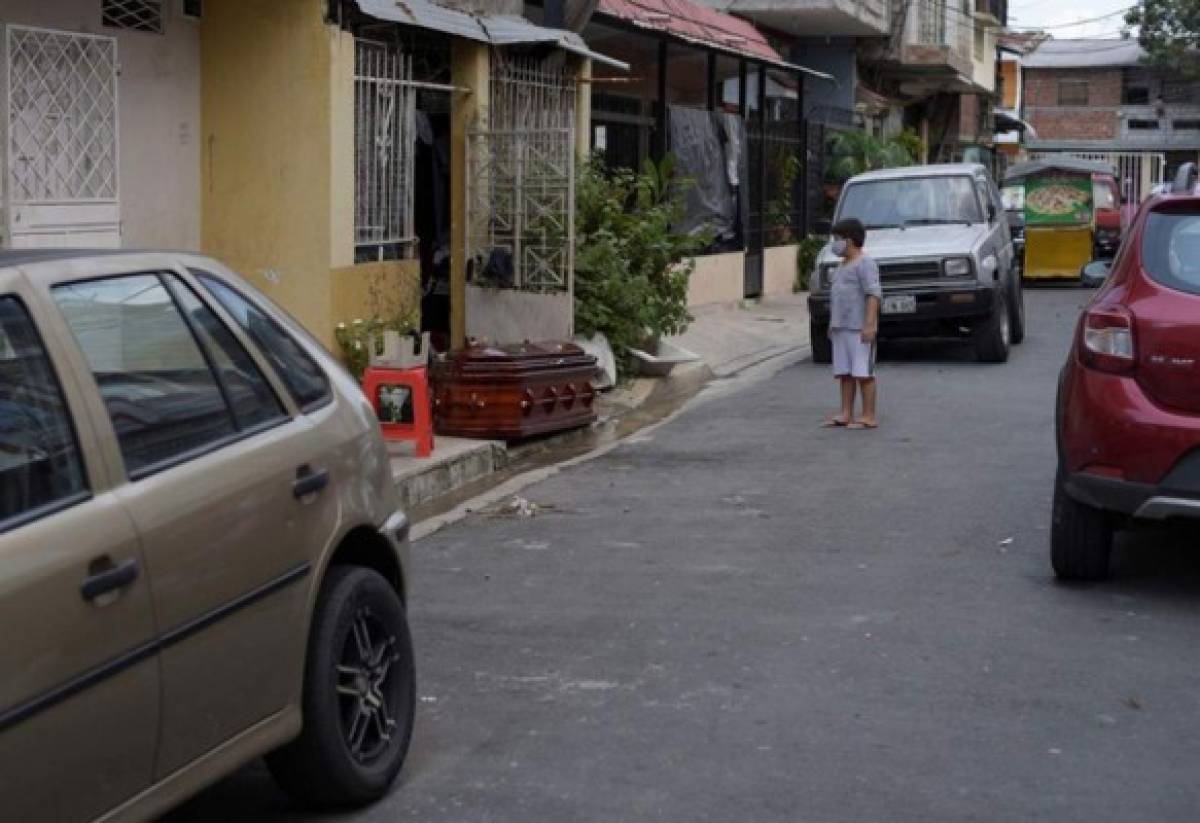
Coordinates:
994 337
347 754
822 346
1080 538
1017 311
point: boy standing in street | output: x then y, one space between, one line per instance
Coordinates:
854 295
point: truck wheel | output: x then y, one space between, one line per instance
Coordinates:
1080 538
1017 311
359 695
993 338
822 348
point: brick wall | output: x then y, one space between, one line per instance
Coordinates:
1095 121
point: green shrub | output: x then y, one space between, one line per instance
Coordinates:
806 258
855 152
631 266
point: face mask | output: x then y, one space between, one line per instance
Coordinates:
839 247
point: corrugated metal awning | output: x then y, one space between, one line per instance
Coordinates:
498 30
506 30
699 25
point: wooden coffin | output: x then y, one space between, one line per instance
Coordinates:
513 391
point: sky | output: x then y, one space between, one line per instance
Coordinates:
1053 14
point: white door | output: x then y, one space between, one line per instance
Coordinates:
60 145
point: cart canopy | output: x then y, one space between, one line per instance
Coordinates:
1065 164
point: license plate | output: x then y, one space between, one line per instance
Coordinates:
900 304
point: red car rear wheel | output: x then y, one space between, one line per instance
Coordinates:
1080 538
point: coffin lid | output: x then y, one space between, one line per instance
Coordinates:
516 357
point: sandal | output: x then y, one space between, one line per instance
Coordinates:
858 425
834 423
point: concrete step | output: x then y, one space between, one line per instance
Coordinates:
455 462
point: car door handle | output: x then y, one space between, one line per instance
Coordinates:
309 481
111 579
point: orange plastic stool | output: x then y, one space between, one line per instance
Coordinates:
416 380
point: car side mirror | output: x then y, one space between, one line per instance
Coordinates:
822 226
991 212
1095 273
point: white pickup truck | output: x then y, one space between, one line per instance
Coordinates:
941 239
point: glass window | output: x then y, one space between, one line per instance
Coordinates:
911 201
1104 195
1013 198
984 196
246 389
40 464
1135 96
1171 249
303 377
156 384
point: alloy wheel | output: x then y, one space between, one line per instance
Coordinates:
365 687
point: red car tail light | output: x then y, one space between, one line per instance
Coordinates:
1108 339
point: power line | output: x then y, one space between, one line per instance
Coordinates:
1084 22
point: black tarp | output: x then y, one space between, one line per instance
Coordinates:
700 158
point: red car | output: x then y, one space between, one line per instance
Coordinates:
1128 417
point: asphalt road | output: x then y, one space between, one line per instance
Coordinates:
742 616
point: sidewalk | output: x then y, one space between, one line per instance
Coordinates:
727 338
730 338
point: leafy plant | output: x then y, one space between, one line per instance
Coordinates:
355 338
806 258
785 168
855 152
1169 31
631 267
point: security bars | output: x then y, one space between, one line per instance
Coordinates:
62 117
384 124
521 187
137 15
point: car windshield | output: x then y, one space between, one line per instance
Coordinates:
1013 198
1171 249
911 201
1103 195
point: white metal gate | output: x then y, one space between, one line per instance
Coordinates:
384 130
61 139
521 185
1143 170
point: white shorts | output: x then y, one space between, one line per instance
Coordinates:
851 356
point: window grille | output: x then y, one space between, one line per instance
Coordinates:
137 15
521 188
384 125
932 23
62 116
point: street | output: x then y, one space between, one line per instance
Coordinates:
742 616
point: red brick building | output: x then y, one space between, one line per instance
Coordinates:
1096 99
1073 103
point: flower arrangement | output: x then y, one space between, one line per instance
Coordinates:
355 338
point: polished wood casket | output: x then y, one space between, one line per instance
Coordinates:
511 392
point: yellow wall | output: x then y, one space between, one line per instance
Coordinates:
470 69
265 162
1008 71
386 289
277 166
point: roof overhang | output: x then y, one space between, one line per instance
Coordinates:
700 26
496 30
